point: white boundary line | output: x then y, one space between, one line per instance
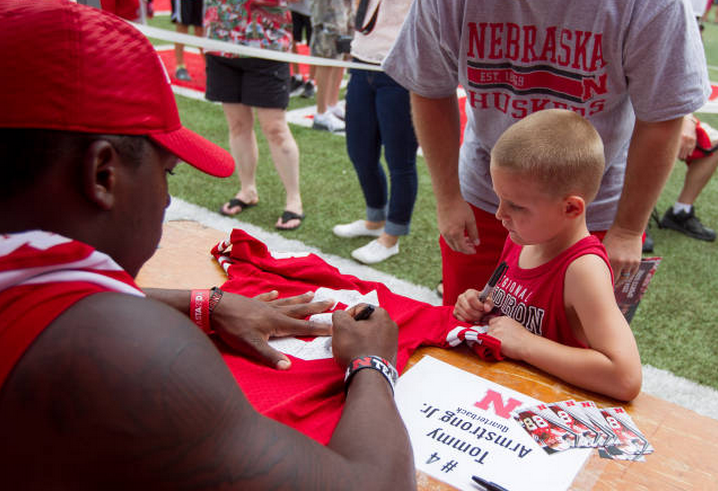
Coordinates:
212 45
657 382
191 94
710 107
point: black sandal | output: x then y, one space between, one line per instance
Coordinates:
288 216
234 202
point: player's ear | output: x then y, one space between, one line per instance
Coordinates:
573 206
99 173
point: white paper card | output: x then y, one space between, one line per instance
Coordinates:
461 426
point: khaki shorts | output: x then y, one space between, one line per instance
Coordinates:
330 19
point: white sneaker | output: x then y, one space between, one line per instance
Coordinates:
356 229
337 111
374 252
327 122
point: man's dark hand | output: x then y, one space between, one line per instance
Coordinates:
376 335
246 324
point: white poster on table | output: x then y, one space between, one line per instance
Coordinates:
461 426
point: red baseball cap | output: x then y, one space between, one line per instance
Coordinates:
71 67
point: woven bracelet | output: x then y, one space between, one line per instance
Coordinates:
374 362
215 295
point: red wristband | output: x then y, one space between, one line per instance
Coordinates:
199 309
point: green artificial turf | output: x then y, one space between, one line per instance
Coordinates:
675 325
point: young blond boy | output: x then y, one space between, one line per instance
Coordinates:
556 306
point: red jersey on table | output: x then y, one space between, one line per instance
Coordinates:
310 395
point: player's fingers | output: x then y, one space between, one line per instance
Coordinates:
299 327
342 319
296 299
355 309
272 357
255 346
303 310
268 296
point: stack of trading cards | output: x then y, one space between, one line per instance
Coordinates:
570 424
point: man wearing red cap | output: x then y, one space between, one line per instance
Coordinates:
99 386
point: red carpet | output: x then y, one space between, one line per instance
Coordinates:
161 5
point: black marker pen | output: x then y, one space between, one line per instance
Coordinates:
488 485
495 277
365 313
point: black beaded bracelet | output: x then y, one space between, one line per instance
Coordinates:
375 362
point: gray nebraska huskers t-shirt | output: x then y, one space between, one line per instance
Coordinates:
603 59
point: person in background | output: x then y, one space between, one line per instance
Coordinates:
697 151
301 29
186 13
697 141
249 86
379 116
512 60
122 391
708 6
554 306
332 29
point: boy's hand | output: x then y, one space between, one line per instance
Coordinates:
513 336
469 308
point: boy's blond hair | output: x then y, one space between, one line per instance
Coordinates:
557 147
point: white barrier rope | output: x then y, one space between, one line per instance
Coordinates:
210 45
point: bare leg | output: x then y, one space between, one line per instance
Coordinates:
335 82
373 225
179 48
285 155
697 176
243 146
199 32
387 240
323 79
